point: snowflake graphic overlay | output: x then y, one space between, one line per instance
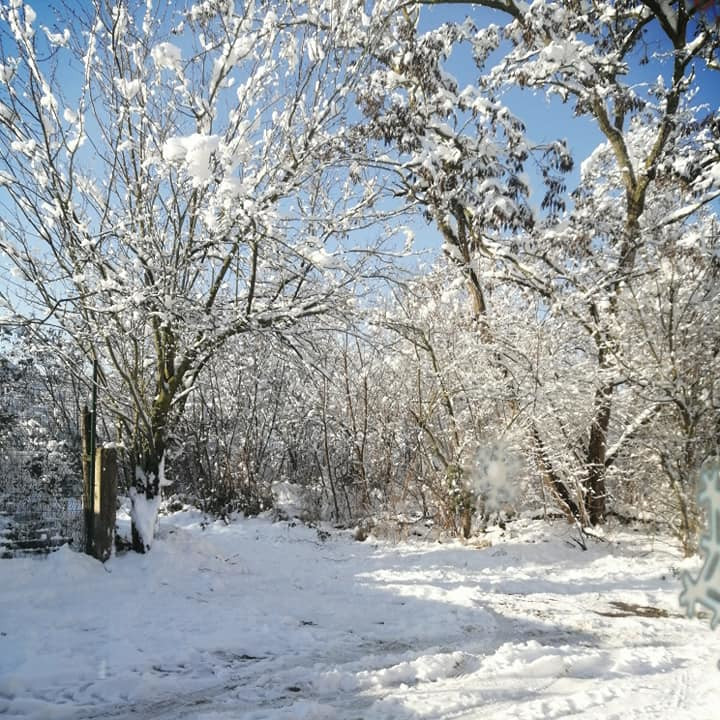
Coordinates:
705 588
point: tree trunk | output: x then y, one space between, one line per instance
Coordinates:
149 459
596 490
466 522
145 499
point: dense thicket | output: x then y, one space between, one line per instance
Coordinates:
212 215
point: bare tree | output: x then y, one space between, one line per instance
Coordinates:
170 182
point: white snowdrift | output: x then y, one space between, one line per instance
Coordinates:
264 621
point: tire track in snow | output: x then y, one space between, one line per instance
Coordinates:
552 675
276 682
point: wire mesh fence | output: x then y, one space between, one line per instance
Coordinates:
40 473
39 522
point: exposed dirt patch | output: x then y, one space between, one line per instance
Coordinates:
623 609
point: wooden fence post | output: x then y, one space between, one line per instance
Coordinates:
88 480
105 495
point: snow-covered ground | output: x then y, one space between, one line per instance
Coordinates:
266 621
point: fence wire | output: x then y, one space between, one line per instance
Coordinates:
39 522
40 474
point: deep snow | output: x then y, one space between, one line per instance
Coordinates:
257 620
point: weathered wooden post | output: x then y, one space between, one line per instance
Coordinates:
88 480
105 495
89 442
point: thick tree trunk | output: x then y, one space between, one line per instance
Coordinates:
149 451
149 458
596 489
145 499
466 519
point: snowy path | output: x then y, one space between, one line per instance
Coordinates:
261 621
